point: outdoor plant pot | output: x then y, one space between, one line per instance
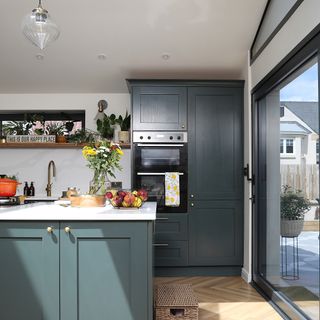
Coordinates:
291 228
124 136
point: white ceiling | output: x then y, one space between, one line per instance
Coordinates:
205 39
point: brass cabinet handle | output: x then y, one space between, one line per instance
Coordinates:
50 229
160 244
67 229
192 204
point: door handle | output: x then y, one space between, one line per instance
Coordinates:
50 229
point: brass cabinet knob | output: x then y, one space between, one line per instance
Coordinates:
191 196
67 229
183 126
192 204
50 229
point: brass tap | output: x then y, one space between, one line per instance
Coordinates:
49 185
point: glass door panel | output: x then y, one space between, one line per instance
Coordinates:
287 190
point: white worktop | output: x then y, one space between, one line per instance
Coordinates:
51 211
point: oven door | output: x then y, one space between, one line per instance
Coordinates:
160 157
154 183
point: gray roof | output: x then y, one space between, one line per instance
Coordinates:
293 127
307 111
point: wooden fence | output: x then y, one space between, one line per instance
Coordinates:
301 177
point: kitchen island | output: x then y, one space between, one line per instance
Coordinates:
63 263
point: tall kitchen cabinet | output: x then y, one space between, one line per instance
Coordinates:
208 239
215 175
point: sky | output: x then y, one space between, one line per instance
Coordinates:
303 88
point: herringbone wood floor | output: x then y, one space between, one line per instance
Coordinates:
226 298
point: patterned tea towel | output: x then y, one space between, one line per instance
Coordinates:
172 189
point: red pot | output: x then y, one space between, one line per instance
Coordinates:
8 187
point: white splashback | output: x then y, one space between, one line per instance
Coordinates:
71 170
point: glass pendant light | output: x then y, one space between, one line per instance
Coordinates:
39 28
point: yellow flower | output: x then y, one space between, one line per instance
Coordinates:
120 151
88 151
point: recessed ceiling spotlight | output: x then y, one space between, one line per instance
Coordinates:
165 56
39 56
102 56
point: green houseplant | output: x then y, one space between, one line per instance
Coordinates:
124 123
293 206
106 126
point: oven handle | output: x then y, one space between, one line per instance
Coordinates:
159 145
155 173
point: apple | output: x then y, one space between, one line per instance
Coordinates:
116 201
121 193
137 202
129 198
109 195
143 194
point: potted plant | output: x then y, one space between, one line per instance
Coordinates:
124 122
106 125
56 128
293 206
83 136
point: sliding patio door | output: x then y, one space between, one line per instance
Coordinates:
286 190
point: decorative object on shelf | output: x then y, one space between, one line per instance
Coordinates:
31 139
105 126
39 28
57 129
293 206
103 159
124 122
127 199
83 136
102 105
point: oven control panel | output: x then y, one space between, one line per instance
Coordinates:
160 137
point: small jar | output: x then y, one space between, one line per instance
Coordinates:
72 192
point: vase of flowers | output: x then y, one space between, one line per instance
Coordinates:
103 158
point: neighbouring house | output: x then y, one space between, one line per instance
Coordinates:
298 132
299 146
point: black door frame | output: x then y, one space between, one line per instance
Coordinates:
301 54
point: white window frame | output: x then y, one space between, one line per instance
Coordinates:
284 153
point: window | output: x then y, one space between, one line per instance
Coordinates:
287 146
41 122
276 13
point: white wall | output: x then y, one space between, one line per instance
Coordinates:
300 24
31 164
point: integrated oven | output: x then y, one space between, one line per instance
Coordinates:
154 154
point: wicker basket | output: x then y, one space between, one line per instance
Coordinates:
175 301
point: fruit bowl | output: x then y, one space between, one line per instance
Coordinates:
127 199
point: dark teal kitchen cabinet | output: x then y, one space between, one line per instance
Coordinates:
76 270
215 174
29 271
159 107
104 271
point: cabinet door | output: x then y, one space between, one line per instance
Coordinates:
216 233
159 108
29 276
215 143
106 271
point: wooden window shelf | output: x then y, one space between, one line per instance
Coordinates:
50 145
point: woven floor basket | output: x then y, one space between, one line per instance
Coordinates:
175 301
